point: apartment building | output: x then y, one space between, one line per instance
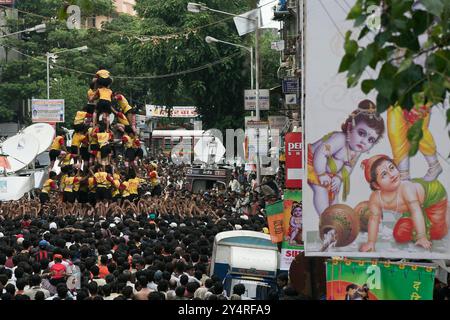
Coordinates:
121 6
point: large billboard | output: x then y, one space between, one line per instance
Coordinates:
365 196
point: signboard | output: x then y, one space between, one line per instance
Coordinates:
376 280
154 111
290 85
291 98
3 2
349 210
293 164
43 110
292 243
206 172
246 22
248 119
250 99
277 45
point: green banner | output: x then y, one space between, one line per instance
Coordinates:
375 280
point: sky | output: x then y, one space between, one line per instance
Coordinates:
267 14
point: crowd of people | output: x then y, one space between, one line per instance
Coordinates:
149 248
115 225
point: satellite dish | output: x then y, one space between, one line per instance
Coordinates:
19 150
44 132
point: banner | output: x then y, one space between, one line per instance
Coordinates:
153 111
43 110
275 215
292 228
293 154
366 196
367 280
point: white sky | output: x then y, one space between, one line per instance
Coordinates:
267 14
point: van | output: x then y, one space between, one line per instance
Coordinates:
246 257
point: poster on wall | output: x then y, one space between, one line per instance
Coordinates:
292 243
367 280
365 195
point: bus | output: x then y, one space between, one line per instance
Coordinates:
163 141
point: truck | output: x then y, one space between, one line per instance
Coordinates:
247 257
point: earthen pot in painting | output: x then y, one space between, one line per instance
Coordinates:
344 220
362 210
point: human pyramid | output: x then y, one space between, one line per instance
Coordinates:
92 169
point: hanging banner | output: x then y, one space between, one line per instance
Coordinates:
367 280
366 196
293 154
275 216
43 110
292 243
153 111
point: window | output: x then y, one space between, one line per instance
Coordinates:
90 22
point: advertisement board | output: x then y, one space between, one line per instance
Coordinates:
154 111
43 110
293 162
366 196
292 243
250 99
377 280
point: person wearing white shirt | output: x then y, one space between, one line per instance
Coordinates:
234 185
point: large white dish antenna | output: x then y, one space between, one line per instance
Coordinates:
19 150
44 132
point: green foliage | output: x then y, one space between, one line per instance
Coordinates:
396 51
26 78
216 90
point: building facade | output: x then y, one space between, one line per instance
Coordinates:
121 7
290 14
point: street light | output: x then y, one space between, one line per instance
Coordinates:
53 55
209 39
198 7
38 28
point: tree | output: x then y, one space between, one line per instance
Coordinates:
26 78
218 90
396 51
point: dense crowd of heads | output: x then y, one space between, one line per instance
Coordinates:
115 224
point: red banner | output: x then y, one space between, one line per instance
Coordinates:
294 165
2 2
